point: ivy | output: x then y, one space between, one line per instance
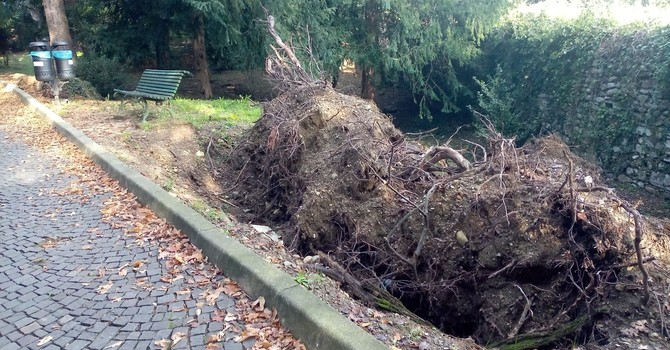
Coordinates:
581 78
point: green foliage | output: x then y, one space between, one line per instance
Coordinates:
497 97
104 74
546 75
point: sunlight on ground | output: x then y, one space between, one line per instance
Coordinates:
623 13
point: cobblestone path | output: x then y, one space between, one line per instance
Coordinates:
68 280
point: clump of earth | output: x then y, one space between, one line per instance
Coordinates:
506 245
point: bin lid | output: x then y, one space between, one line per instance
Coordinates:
38 44
60 43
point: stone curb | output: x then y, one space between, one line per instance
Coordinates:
315 323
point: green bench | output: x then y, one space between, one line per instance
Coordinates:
155 85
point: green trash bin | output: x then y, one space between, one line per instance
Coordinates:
42 61
63 57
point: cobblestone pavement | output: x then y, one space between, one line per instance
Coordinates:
60 286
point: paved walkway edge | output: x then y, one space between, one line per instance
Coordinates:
315 323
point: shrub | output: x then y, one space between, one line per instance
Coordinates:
103 73
81 88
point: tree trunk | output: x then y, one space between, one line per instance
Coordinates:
162 43
370 14
59 29
200 54
368 82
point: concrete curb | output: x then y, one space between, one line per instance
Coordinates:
315 323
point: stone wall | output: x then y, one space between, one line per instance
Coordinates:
620 118
615 114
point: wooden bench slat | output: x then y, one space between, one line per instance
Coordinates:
156 85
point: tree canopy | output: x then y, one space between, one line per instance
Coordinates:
415 43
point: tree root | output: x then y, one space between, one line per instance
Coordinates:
536 340
370 293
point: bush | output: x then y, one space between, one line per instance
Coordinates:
81 88
103 73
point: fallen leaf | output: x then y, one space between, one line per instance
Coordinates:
137 263
259 304
582 216
114 345
44 340
184 291
219 315
165 344
87 247
105 287
249 332
231 288
397 337
176 337
214 338
123 272
261 228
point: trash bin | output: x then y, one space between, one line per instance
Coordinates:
62 54
41 55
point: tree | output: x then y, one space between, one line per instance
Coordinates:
59 29
417 43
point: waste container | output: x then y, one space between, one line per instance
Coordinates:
62 55
41 55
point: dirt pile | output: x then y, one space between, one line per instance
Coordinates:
516 245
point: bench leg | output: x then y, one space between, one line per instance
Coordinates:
145 110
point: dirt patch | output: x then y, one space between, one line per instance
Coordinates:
516 248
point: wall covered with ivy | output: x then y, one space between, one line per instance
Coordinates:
604 87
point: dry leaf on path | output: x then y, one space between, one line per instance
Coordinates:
259 304
44 340
114 345
176 337
164 344
105 287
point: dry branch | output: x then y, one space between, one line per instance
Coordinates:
286 69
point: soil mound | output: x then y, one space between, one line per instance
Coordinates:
514 245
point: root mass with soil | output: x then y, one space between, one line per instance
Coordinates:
501 248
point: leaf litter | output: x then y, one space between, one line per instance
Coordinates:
249 320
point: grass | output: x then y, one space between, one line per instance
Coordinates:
18 63
200 112
307 280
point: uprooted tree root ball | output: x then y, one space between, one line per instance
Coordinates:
514 246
